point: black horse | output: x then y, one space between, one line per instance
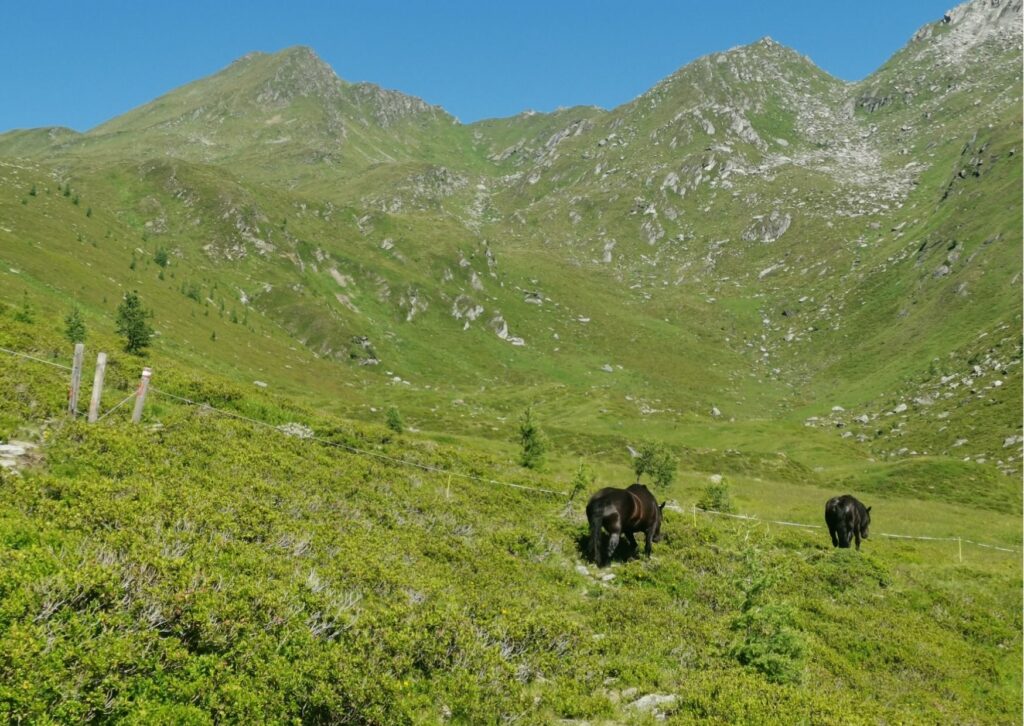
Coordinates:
623 512
847 519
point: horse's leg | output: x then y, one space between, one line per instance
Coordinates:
613 543
856 533
632 541
849 539
835 536
648 538
614 526
595 538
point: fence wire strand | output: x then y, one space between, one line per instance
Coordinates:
118 405
783 523
357 450
33 358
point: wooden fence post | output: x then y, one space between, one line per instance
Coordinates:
76 378
97 387
960 549
140 395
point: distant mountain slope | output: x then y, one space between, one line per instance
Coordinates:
276 117
751 237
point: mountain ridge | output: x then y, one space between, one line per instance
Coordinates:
750 209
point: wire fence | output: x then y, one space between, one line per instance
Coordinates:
37 360
752 518
357 450
116 406
62 367
484 480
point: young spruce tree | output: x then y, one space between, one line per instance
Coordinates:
393 419
74 326
533 441
132 323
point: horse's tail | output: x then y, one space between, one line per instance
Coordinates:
594 516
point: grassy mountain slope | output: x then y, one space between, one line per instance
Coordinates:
197 567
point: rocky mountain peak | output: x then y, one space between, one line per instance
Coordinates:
298 72
967 26
764 59
979 17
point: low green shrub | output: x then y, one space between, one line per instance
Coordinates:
716 497
769 642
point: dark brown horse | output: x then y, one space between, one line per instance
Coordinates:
847 519
623 512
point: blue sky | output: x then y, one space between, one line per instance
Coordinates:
80 63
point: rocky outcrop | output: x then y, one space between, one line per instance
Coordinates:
768 228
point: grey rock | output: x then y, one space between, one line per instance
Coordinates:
653 701
299 431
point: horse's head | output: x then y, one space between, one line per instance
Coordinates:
657 527
864 525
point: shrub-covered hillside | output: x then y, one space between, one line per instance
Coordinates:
198 568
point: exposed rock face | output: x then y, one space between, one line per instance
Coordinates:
465 308
573 129
361 350
421 191
391 107
300 73
500 327
973 23
768 228
413 303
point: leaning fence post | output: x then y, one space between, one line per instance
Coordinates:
694 508
76 378
960 549
140 395
97 387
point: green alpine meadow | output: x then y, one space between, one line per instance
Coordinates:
393 355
